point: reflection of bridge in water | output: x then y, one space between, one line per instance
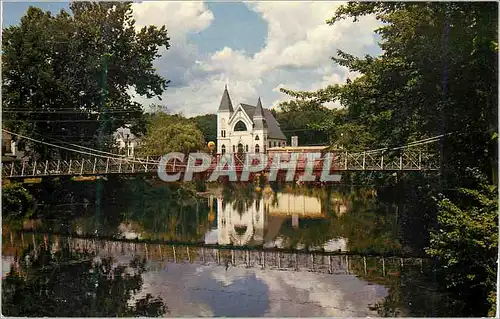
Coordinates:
277 259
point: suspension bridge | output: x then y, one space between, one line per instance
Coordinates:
91 162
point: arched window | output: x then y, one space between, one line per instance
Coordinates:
240 127
240 148
246 148
270 145
257 148
223 149
257 138
274 143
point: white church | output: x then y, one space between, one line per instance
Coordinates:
248 129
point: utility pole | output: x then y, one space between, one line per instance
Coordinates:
101 131
98 192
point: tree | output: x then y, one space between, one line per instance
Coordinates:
426 82
308 119
67 77
171 133
466 244
208 125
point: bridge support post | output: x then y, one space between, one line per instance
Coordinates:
81 168
147 160
345 162
120 167
189 256
232 257
203 255
12 168
34 169
175 256
364 160
364 264
69 170
95 162
58 166
22 169
46 167
107 165
347 263
383 266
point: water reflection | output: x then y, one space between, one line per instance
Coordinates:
259 220
291 217
150 279
249 217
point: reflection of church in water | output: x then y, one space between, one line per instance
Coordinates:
261 222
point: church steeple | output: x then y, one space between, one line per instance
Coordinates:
258 116
225 103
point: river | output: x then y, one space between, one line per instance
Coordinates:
150 249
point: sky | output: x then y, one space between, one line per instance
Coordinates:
253 47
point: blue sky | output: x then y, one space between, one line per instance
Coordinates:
254 48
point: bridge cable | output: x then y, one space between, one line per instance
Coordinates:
412 144
78 151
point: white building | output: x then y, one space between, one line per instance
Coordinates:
126 141
11 149
248 129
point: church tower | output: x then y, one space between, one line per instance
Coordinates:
223 115
259 129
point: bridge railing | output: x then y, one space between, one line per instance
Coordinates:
409 160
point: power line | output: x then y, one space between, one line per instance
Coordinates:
71 112
77 151
53 121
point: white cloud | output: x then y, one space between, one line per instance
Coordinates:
296 54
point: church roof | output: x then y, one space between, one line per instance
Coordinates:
273 127
259 121
225 103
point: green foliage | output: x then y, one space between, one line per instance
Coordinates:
308 120
466 244
208 125
171 133
67 77
17 202
437 74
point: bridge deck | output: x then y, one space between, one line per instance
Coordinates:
340 161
